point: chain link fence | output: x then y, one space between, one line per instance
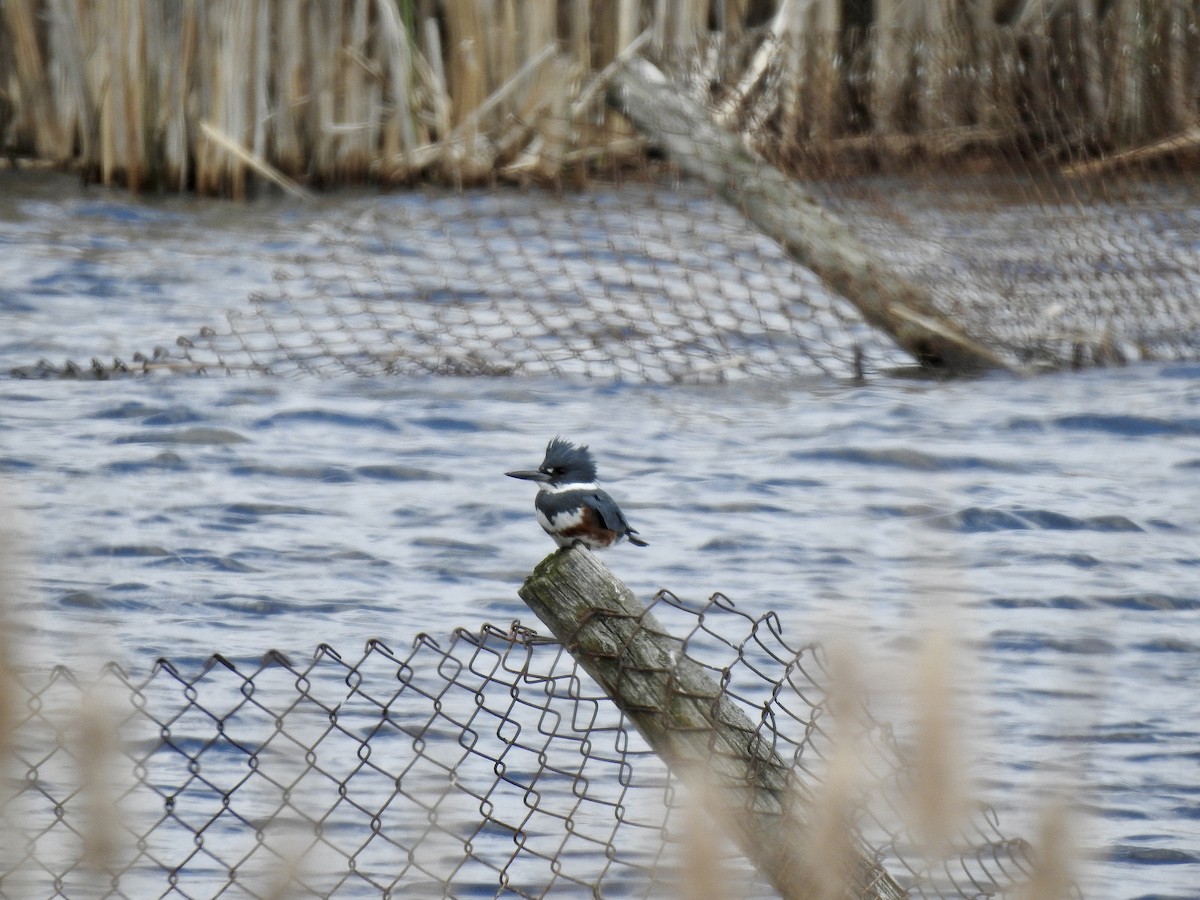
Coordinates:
661 284
1050 218
485 764
664 283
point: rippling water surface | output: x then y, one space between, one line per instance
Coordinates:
1053 520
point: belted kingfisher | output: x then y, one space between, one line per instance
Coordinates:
570 506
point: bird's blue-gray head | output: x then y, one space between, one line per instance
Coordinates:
564 463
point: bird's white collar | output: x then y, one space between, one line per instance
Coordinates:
562 488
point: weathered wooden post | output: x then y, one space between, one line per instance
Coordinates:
702 735
808 232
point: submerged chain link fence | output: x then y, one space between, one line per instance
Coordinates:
487 764
1033 188
664 283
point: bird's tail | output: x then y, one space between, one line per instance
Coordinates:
634 539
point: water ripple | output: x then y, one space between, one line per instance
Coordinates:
199 559
200 435
906 458
166 461
976 519
1136 602
1130 426
327 417
392 472
326 474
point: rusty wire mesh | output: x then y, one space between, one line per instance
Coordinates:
487 764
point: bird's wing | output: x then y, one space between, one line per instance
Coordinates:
610 514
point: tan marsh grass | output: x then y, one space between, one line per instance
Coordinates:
391 91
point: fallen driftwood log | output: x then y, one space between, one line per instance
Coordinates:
1187 142
701 734
807 231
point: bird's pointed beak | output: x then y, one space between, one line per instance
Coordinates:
529 475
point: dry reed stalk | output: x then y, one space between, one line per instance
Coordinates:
678 26
14 830
979 90
434 73
96 746
236 88
254 161
357 104
556 128
506 54
616 37
533 67
600 80
111 108
1090 71
1054 855
793 47
541 99
1169 21
127 94
337 87
733 19
822 73
584 50
239 82
1041 97
38 119
77 112
141 86
395 49
1190 59
211 99
530 91
627 26
942 52
11 550
938 792
703 873
545 157
170 30
737 97
833 815
891 65
1067 97
537 24
808 94
289 124
580 39
505 144
727 38
995 81
260 100
324 30
515 140
1125 28
467 62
